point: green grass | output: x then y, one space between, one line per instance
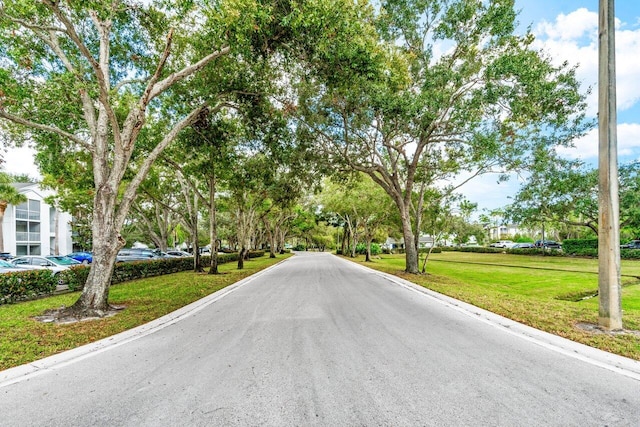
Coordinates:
23 339
542 292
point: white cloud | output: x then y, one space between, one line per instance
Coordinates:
574 37
569 27
586 148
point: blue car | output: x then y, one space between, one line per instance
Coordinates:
83 257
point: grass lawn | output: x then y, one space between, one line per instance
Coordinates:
23 339
549 293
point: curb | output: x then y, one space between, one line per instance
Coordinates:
51 363
622 365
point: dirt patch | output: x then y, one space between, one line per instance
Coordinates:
64 316
599 330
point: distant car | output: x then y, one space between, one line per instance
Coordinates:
550 244
634 244
51 262
523 246
178 254
83 257
502 244
138 254
6 256
7 267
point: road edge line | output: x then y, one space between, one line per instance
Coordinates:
51 363
594 356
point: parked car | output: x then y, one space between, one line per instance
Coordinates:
179 254
6 256
550 244
7 267
83 257
502 244
137 254
523 246
634 244
51 262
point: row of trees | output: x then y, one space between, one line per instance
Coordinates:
563 194
256 100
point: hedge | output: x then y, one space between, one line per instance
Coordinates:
579 246
26 285
515 251
30 284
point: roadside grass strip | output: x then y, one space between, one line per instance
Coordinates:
24 340
545 293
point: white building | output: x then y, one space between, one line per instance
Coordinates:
34 227
504 231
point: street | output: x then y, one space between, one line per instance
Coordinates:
320 341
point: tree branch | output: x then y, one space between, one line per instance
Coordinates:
163 85
47 128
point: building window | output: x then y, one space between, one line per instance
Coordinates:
28 250
52 219
28 228
34 210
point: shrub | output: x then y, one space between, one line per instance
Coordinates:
535 251
630 254
75 277
33 283
27 284
361 249
299 247
578 246
474 249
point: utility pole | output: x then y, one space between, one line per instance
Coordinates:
610 311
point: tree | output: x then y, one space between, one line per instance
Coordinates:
8 196
364 207
566 192
89 76
420 118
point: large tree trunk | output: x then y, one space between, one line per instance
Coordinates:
367 257
196 249
213 227
410 250
106 242
241 255
271 238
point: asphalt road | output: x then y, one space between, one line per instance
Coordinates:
320 341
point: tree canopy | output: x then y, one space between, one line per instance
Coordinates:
455 93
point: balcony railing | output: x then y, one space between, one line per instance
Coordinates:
27 237
31 216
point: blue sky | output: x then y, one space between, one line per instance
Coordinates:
567 30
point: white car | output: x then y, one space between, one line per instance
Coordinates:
178 254
53 263
7 267
502 244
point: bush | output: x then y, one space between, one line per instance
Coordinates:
474 249
630 254
75 277
27 284
33 283
299 247
535 251
361 249
579 246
